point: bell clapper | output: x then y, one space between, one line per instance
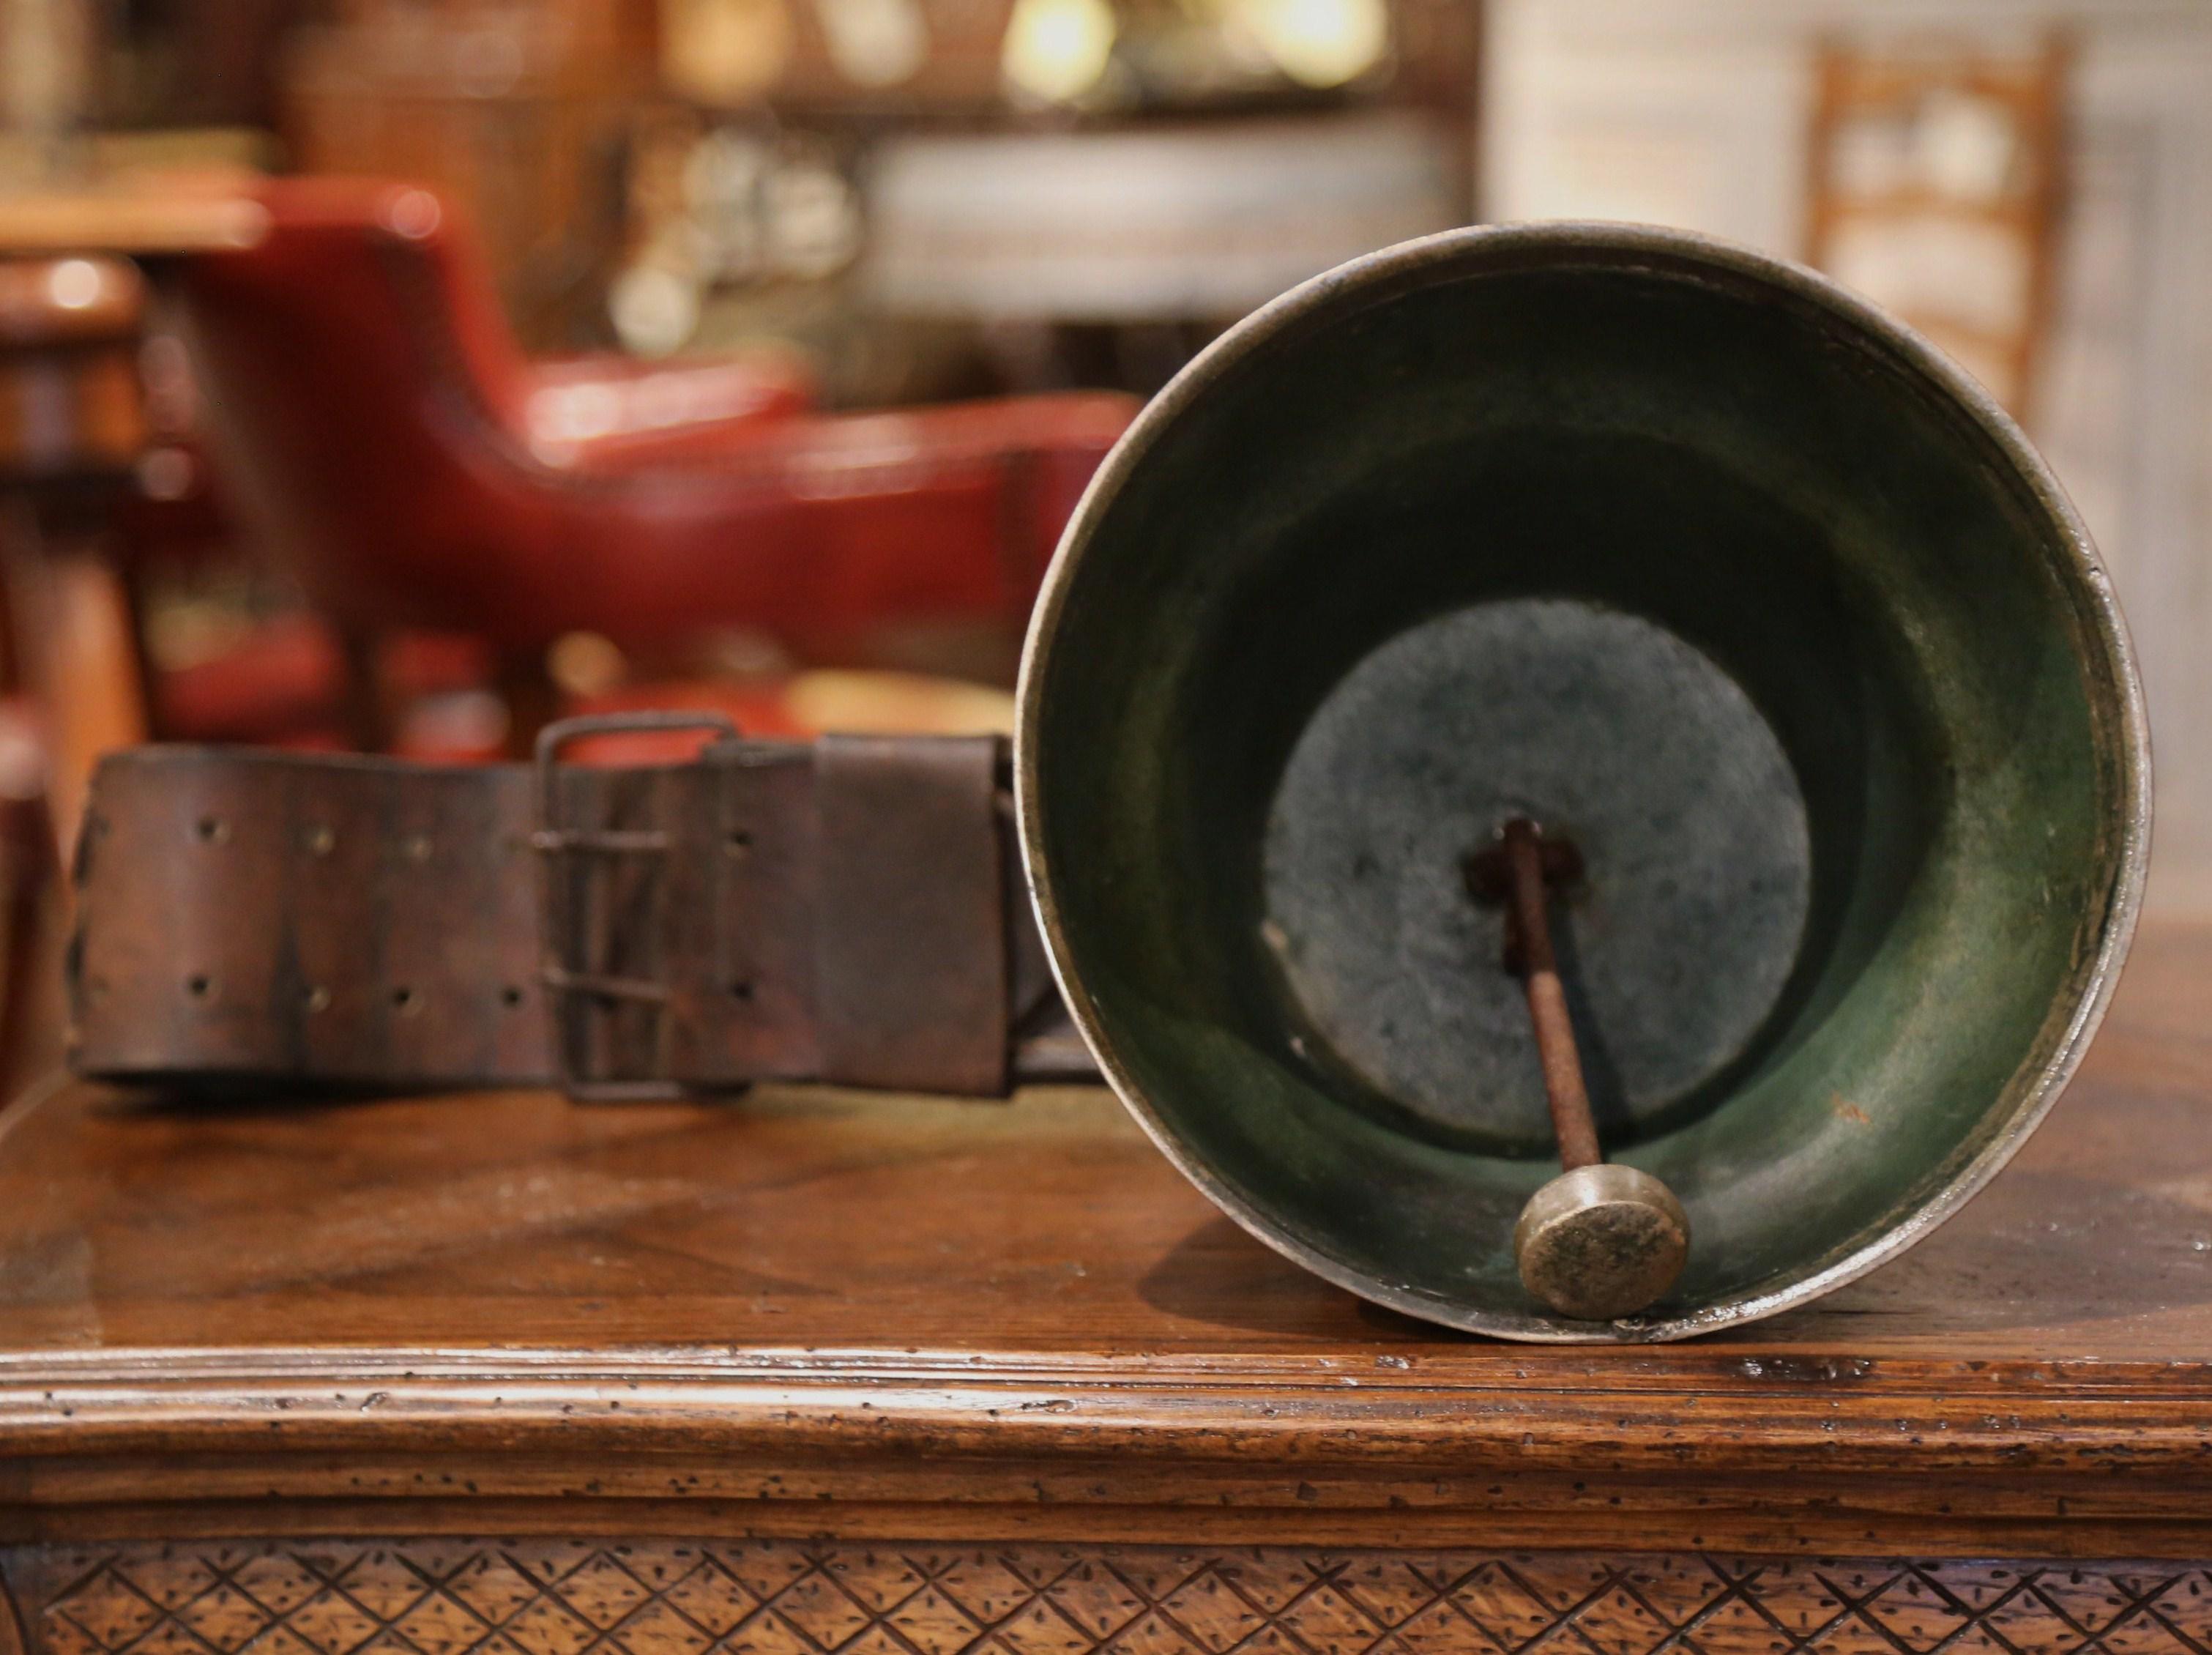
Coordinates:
1601 1240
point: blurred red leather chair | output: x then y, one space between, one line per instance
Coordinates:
371 412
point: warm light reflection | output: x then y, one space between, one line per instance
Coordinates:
1319 42
1056 49
724 52
875 43
74 284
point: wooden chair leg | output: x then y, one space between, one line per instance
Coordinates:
76 648
371 722
533 699
26 870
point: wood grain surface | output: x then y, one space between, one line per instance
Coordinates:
809 1314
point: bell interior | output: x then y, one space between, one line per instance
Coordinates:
1436 516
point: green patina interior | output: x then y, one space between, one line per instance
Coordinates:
1729 458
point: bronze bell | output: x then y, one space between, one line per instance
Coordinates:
1677 563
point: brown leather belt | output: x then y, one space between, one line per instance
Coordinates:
848 911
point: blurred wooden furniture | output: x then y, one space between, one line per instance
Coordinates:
387 429
1936 184
518 114
148 218
376 417
71 425
817 1374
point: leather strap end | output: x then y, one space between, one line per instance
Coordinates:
910 952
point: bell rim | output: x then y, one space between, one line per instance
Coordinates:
2028 1098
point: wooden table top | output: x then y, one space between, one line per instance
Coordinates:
829 1284
150 218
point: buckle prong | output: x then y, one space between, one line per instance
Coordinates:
575 989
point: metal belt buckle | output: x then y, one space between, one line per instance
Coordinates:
575 988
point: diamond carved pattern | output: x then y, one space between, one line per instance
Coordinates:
446 1596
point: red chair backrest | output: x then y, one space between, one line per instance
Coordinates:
370 409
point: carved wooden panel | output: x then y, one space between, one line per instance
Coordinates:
463 1597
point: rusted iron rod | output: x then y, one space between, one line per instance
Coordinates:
1530 944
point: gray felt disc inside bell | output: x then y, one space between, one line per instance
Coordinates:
1676 945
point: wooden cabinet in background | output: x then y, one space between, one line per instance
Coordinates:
520 112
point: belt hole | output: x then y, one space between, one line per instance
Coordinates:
510 995
317 998
742 988
199 985
404 998
739 843
212 830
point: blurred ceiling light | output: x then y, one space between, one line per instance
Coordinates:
586 663
1319 43
1056 49
813 220
654 309
723 53
74 284
723 177
875 42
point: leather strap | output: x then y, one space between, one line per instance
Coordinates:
848 910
